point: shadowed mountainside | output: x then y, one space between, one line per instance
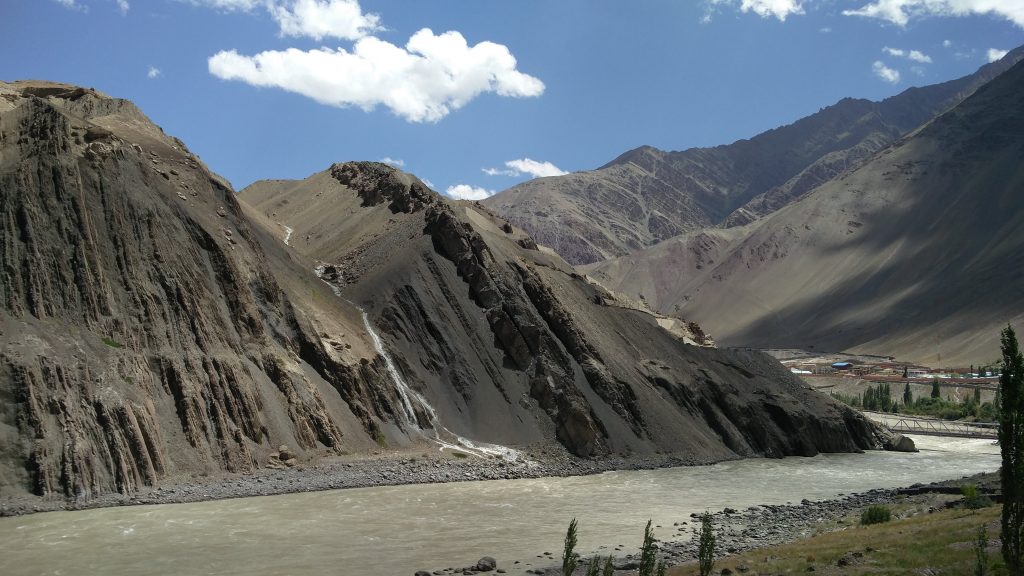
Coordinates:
646 195
917 253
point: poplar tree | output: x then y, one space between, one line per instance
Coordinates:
1011 445
569 556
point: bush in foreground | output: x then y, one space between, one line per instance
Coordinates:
875 515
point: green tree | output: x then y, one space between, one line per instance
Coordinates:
569 556
594 568
981 552
706 545
648 552
1011 445
609 567
936 390
662 569
908 396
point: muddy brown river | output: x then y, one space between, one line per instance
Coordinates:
400 529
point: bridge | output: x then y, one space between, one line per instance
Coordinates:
927 427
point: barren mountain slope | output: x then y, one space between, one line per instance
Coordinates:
647 195
507 345
917 253
144 335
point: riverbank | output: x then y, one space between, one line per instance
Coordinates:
926 536
749 541
428 466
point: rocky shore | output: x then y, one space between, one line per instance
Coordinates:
427 466
755 527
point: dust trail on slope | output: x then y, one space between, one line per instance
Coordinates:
442 436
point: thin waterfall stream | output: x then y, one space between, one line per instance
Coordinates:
410 398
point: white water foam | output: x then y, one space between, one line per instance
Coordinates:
443 437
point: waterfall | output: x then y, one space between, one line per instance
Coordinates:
410 399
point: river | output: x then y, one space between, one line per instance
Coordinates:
400 529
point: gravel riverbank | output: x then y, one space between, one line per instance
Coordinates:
357 471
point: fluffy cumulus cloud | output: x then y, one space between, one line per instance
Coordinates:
996 54
526 166
153 72
900 12
885 73
780 9
320 19
423 81
467 192
396 162
915 55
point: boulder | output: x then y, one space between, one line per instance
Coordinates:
900 443
486 564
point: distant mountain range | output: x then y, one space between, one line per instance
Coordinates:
917 252
646 195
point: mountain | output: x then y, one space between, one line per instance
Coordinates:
646 196
916 253
153 327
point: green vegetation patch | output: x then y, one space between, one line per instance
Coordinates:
112 343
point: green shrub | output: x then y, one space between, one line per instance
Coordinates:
972 499
112 343
875 515
706 545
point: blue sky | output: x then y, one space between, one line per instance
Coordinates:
517 88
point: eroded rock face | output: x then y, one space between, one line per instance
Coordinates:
144 334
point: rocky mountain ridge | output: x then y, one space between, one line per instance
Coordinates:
646 195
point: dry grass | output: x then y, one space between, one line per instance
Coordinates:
942 541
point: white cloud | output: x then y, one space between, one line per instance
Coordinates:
428 183
885 73
996 54
396 162
467 192
526 166
320 19
72 5
153 72
123 6
423 81
825 30
947 43
900 12
915 55
780 9
231 5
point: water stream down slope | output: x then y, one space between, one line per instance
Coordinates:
442 436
